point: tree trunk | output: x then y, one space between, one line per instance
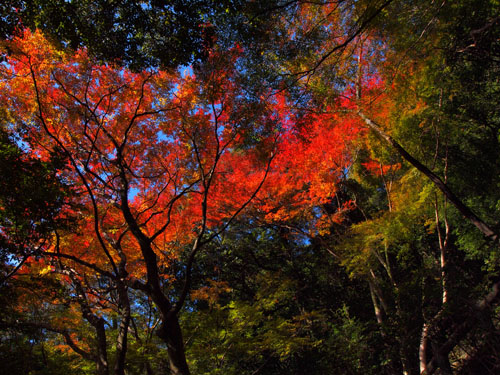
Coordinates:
121 340
102 353
376 307
97 322
170 332
422 350
450 195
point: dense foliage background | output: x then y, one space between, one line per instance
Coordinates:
265 187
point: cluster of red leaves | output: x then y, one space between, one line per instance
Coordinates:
179 142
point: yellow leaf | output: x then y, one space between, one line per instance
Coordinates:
45 270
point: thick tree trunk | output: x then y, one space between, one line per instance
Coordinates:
442 359
102 353
148 370
170 332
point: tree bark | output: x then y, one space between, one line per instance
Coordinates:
97 322
376 307
121 340
102 353
422 349
170 332
461 207
441 352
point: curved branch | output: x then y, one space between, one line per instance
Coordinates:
82 262
12 273
75 166
361 26
64 332
457 202
199 242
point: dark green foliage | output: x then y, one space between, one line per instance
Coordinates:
269 301
27 353
31 195
137 34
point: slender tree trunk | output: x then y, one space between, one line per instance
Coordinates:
97 322
376 307
424 338
121 341
378 301
422 349
464 210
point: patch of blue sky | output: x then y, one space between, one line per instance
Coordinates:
186 71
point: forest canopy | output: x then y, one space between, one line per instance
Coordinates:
249 187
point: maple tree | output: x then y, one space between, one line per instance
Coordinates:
157 162
327 189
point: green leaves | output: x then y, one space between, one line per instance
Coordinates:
32 194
